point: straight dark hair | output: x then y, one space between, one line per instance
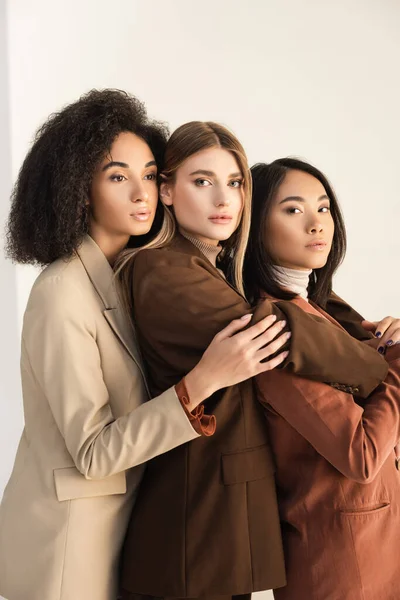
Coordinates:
259 274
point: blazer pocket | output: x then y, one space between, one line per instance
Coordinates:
367 510
70 484
247 465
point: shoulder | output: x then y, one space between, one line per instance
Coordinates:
62 285
170 258
61 271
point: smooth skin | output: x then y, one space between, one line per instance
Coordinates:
300 227
207 195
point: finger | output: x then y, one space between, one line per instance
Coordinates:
395 338
273 363
369 325
256 330
274 346
233 327
391 335
382 326
265 338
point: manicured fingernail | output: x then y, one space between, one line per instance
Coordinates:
389 343
288 335
282 323
381 349
246 317
378 334
285 354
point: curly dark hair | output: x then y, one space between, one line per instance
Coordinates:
49 215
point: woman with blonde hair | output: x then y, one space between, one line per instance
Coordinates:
206 520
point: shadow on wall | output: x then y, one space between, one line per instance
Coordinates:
10 391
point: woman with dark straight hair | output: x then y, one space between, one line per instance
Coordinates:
336 455
259 273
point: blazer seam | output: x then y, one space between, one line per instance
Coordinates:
249 536
34 376
352 543
356 561
247 485
186 519
65 549
313 576
243 411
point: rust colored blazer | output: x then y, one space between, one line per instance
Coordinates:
338 484
206 519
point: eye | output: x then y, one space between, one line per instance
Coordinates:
325 209
151 177
293 210
237 183
117 178
202 182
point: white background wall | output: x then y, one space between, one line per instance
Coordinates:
309 78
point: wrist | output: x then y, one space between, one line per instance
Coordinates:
197 383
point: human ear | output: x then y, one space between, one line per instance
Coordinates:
166 193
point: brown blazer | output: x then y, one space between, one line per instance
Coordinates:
338 485
206 520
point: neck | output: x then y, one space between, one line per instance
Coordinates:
110 245
210 251
293 280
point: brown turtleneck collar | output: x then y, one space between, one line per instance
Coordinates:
210 252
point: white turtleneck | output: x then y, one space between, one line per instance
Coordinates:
294 280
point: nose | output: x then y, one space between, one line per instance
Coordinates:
222 198
314 226
139 193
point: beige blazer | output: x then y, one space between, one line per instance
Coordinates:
65 509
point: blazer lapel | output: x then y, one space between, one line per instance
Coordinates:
102 277
116 320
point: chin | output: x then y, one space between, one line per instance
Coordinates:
140 230
224 235
318 264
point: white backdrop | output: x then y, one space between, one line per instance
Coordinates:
314 79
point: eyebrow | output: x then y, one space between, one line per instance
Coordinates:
123 165
300 199
212 174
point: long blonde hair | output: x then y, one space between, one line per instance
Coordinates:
187 140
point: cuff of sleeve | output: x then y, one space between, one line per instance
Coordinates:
348 389
203 424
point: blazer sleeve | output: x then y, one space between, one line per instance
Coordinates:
355 440
181 302
348 318
61 352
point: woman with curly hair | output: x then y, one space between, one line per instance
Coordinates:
86 189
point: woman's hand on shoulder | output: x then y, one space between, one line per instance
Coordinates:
387 331
235 355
